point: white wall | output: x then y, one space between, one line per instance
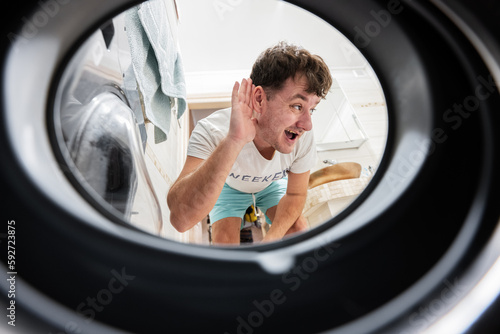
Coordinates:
225 35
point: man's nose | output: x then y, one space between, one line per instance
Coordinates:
305 121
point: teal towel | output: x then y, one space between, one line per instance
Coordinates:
157 64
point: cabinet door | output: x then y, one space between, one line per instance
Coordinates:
335 123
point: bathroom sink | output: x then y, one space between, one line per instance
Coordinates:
340 171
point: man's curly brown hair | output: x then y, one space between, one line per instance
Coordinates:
282 61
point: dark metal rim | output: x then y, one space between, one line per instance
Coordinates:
482 222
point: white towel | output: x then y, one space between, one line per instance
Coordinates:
157 64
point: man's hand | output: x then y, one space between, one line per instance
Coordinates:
242 125
289 209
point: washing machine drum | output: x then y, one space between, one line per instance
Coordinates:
420 246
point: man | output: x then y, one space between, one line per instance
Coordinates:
259 151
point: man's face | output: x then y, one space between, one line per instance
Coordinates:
286 116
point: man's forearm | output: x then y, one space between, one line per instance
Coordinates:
193 196
288 211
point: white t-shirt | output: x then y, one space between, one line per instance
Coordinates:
251 172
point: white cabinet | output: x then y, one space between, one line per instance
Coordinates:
335 123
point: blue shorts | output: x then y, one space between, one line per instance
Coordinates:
234 203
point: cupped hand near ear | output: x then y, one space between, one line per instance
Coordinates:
242 125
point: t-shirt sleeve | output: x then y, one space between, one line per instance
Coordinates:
204 139
307 156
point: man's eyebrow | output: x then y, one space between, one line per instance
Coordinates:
303 98
299 96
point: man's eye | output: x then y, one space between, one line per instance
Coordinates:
312 111
298 107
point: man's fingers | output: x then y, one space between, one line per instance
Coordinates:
248 91
242 93
234 96
245 92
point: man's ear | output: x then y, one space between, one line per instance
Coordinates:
259 99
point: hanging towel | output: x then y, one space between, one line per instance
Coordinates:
157 64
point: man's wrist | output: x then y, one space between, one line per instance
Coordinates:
235 142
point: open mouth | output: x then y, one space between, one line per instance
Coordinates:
291 134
